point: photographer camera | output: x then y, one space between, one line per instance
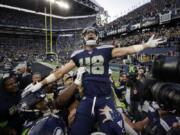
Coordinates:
164 88
157 122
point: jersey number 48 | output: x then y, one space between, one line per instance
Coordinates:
94 65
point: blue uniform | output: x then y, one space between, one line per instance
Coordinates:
97 93
96 82
47 125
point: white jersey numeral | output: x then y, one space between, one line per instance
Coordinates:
94 65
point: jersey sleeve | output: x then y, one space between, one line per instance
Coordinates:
75 57
107 50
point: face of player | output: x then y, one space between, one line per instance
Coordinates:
90 35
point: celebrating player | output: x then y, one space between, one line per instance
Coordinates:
97 101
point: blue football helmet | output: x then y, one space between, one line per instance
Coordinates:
90 42
28 102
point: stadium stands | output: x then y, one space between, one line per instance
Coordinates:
147 13
25 25
78 7
20 18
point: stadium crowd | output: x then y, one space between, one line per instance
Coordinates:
11 17
12 47
172 34
126 92
151 9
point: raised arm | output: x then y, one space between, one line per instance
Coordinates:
117 52
59 73
51 78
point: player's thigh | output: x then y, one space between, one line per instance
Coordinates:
83 122
82 125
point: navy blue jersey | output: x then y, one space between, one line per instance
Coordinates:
48 125
96 81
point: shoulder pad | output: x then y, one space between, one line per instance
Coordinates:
76 52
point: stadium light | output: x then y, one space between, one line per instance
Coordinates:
52 1
63 4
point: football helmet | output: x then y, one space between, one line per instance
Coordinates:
30 100
90 40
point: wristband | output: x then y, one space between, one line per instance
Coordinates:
138 48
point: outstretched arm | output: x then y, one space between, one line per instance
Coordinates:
51 78
59 73
117 52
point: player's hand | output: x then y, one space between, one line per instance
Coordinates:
31 88
152 43
107 112
80 73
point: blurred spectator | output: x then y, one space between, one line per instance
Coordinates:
140 74
24 77
9 98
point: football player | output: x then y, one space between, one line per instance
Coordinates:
97 99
